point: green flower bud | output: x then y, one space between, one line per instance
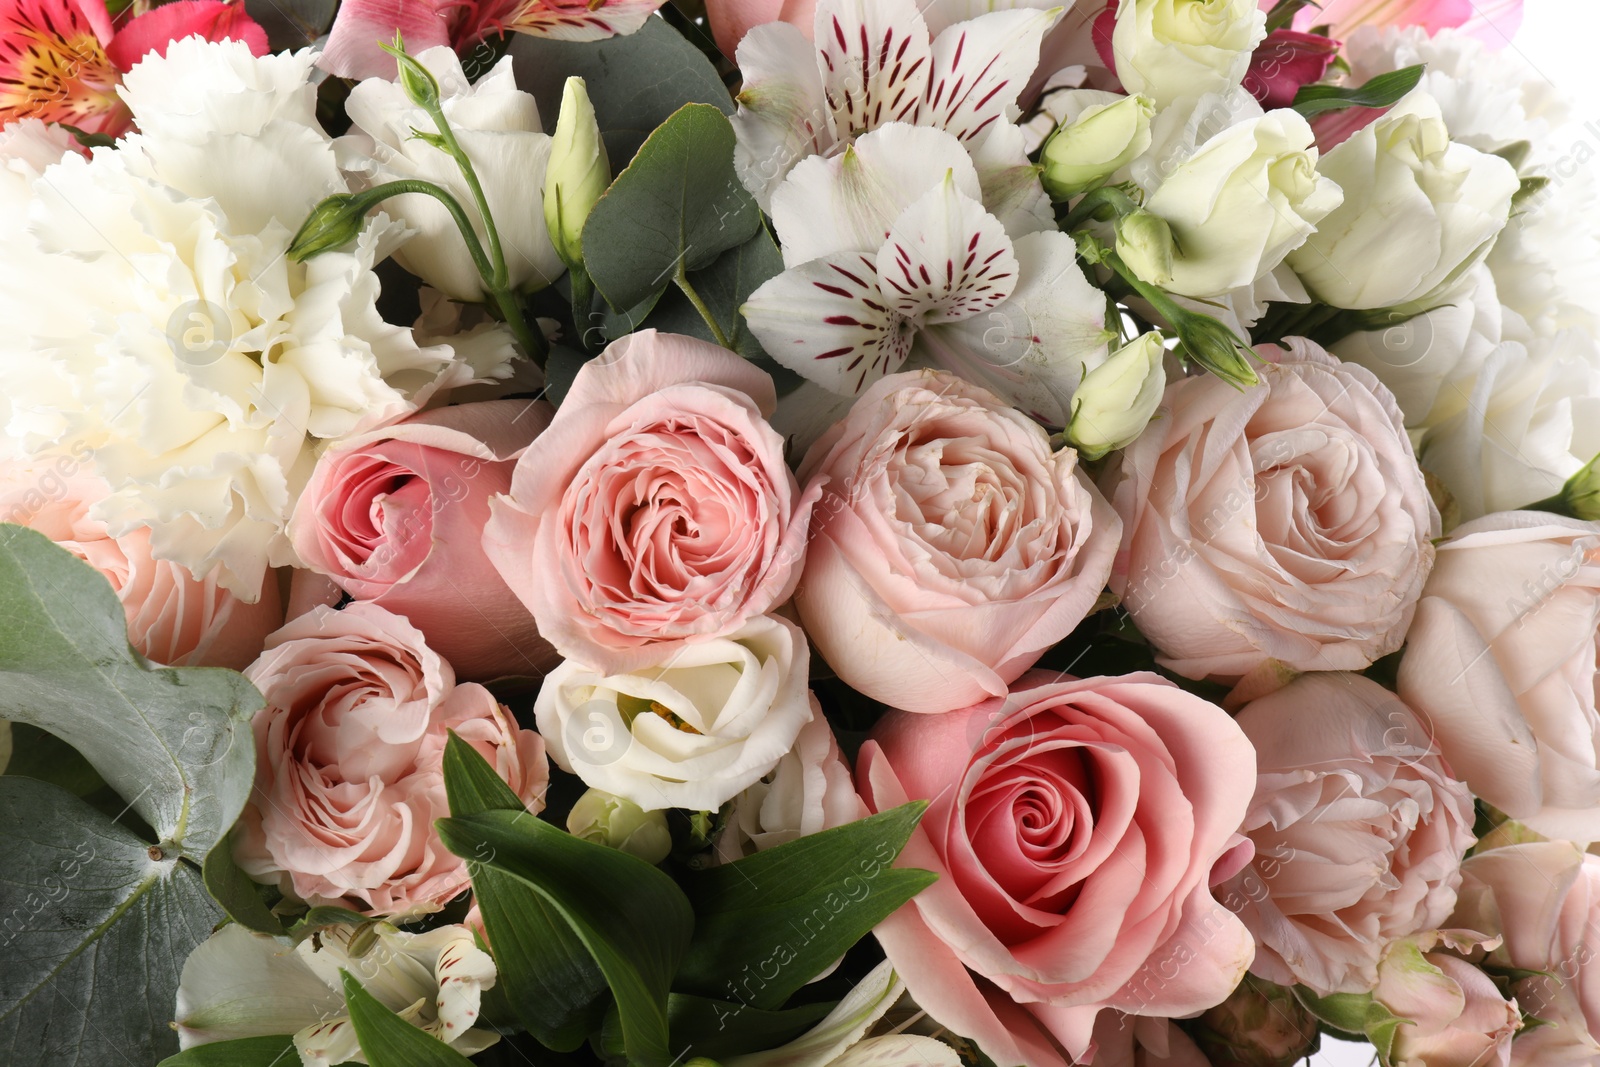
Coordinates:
1216 348
1116 399
577 174
620 824
1581 494
1102 140
1144 241
418 81
332 224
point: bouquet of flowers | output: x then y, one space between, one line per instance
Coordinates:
850 533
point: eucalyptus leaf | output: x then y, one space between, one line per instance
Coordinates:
676 207
175 743
632 918
388 1040
1381 91
244 1052
292 24
635 82
725 286
767 924
95 925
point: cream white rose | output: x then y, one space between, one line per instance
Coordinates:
692 732
1169 49
1244 200
1100 133
1419 212
498 127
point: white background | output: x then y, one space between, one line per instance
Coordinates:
1559 43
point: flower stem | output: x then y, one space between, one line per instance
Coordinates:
1095 201
681 278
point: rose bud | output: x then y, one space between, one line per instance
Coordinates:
1102 134
1259 1025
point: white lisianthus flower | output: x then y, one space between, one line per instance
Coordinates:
154 317
1419 212
498 127
874 64
1171 49
238 984
894 255
1239 204
707 723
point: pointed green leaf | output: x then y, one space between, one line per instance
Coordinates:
245 1052
792 910
239 895
94 927
632 919
718 1029
1345 1012
1384 90
175 743
471 784
678 203
388 1040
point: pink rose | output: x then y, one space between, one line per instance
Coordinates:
951 546
174 618
1543 899
1501 660
1285 522
1074 826
1455 1014
348 762
396 516
656 511
1359 832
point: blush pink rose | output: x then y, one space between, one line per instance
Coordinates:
348 762
1543 899
657 510
1502 661
396 516
1359 830
1455 1014
951 546
173 617
1076 826
1287 522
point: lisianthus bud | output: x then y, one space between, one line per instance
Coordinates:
577 174
1216 348
1144 241
1117 398
418 81
610 820
1259 1025
332 224
1579 497
1090 148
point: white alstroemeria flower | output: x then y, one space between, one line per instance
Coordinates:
875 62
238 984
891 253
840 1040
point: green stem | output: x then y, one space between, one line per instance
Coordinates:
1094 201
500 277
530 338
582 298
379 193
682 280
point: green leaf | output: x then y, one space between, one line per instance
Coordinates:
174 743
635 82
471 784
725 286
1282 14
1344 1012
245 1052
292 24
323 916
1381 91
94 927
561 368
718 1029
630 917
794 909
388 1040
678 204
240 896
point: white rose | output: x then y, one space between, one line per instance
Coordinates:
1240 203
498 127
1100 133
1170 49
238 984
693 732
1419 212
809 791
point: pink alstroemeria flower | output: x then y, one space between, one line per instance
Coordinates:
61 60
1493 22
362 25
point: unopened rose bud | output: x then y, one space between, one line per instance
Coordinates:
577 174
1144 241
620 824
1096 144
332 224
1259 1025
1116 399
